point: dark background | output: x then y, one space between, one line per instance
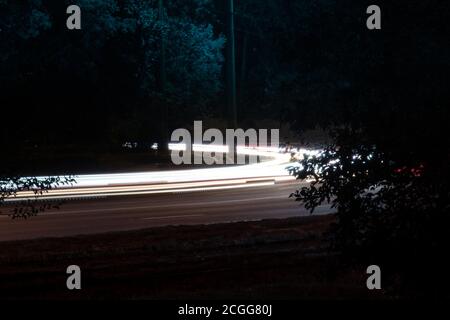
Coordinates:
302 63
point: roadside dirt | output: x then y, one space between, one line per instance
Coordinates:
279 259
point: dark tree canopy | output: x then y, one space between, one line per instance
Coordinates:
101 83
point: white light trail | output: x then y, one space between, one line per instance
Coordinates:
154 182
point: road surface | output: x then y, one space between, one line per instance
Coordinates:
129 201
122 213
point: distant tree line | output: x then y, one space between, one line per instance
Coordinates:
139 68
103 82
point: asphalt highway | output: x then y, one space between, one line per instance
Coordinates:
255 201
130 201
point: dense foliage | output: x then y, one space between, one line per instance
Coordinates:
105 79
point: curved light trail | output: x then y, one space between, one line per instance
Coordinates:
157 182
